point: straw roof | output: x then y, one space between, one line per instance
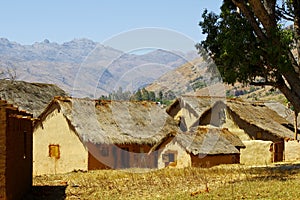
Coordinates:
32 97
116 122
259 115
254 113
209 141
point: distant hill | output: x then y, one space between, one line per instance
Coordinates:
31 97
187 79
86 68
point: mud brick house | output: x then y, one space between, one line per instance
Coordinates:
79 134
201 146
261 129
15 152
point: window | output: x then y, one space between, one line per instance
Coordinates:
54 151
258 135
169 157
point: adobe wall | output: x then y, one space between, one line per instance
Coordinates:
292 150
235 129
257 152
212 160
189 116
16 152
216 116
18 157
55 130
102 156
183 159
2 150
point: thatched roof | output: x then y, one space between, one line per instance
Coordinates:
254 113
116 122
32 97
283 111
209 141
261 116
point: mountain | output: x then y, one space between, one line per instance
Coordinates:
83 67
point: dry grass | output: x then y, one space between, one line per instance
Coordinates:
222 182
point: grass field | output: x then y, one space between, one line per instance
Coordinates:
221 182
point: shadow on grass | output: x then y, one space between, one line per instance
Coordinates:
280 172
46 193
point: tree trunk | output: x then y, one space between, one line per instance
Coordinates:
296 125
290 95
293 89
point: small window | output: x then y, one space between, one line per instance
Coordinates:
171 157
54 151
165 158
104 151
258 135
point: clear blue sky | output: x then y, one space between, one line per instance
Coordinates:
60 21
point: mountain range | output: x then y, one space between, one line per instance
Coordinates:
84 68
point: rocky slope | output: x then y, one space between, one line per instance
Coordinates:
189 78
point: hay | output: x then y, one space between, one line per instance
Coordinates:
115 122
209 141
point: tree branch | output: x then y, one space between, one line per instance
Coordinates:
265 13
250 16
284 14
294 99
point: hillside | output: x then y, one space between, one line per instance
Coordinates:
197 77
32 97
85 68
186 78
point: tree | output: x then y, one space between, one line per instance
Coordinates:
160 96
250 43
138 95
145 94
152 96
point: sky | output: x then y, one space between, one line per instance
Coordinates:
31 21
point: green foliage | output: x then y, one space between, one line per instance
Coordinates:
138 95
237 51
143 94
198 85
152 96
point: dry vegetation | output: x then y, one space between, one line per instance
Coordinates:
222 182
